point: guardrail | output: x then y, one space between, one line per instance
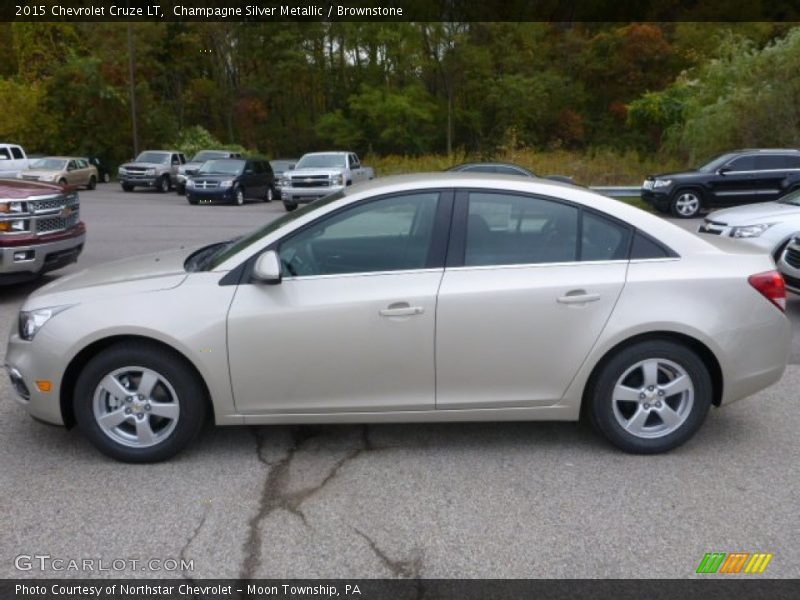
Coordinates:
617 191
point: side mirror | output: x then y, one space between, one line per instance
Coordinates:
268 268
723 170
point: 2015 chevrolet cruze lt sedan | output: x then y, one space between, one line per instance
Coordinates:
444 297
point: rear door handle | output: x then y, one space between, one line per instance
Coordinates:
401 309
578 297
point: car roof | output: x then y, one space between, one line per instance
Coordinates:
765 151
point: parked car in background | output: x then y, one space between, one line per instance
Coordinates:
12 160
40 229
447 297
739 177
231 181
279 167
506 169
318 174
190 168
765 225
63 170
103 170
152 168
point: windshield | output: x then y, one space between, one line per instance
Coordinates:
322 161
153 157
715 163
208 155
222 167
225 252
51 164
792 198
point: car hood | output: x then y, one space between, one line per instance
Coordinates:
308 172
748 214
19 189
139 274
143 165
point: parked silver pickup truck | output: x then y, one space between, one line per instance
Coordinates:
318 174
152 168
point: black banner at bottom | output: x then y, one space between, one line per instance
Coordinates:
722 588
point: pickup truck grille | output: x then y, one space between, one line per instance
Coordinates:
136 169
46 215
53 224
310 182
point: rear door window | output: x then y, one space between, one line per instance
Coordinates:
16 152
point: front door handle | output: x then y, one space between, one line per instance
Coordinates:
578 297
401 309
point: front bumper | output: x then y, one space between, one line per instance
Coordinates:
294 195
658 199
210 196
27 363
23 261
139 180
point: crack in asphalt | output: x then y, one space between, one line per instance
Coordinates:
190 540
274 495
401 569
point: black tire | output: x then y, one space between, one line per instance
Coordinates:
238 196
270 196
192 201
289 206
180 189
164 184
190 396
127 187
92 183
686 203
601 407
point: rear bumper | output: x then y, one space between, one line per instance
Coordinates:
23 261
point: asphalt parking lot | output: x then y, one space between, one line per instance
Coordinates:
436 501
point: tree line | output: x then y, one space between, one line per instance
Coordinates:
401 88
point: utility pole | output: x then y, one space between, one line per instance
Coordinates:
132 78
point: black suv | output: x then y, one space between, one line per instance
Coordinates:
231 180
738 177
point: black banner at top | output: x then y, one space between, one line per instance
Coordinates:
399 10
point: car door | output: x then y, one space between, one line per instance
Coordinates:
529 286
249 180
770 173
734 183
72 174
351 325
356 172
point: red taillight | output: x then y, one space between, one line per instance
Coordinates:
770 284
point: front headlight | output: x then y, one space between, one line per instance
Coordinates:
337 180
226 183
150 172
190 183
658 183
283 182
30 322
50 177
750 231
122 171
11 207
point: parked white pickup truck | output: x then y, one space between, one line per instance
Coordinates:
12 160
318 174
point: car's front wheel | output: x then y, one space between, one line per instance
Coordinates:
126 187
92 183
686 204
289 206
164 184
651 397
139 402
238 196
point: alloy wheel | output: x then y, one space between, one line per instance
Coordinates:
687 204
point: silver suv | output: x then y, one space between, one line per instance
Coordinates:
152 168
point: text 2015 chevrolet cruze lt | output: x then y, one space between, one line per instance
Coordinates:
446 297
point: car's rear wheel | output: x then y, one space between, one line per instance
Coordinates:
92 182
139 402
651 397
238 196
289 206
686 204
164 184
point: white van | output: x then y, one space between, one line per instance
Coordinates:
12 160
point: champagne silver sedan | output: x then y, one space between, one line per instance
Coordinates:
442 297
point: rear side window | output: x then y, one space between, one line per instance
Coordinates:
507 230
603 239
644 247
772 162
16 152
